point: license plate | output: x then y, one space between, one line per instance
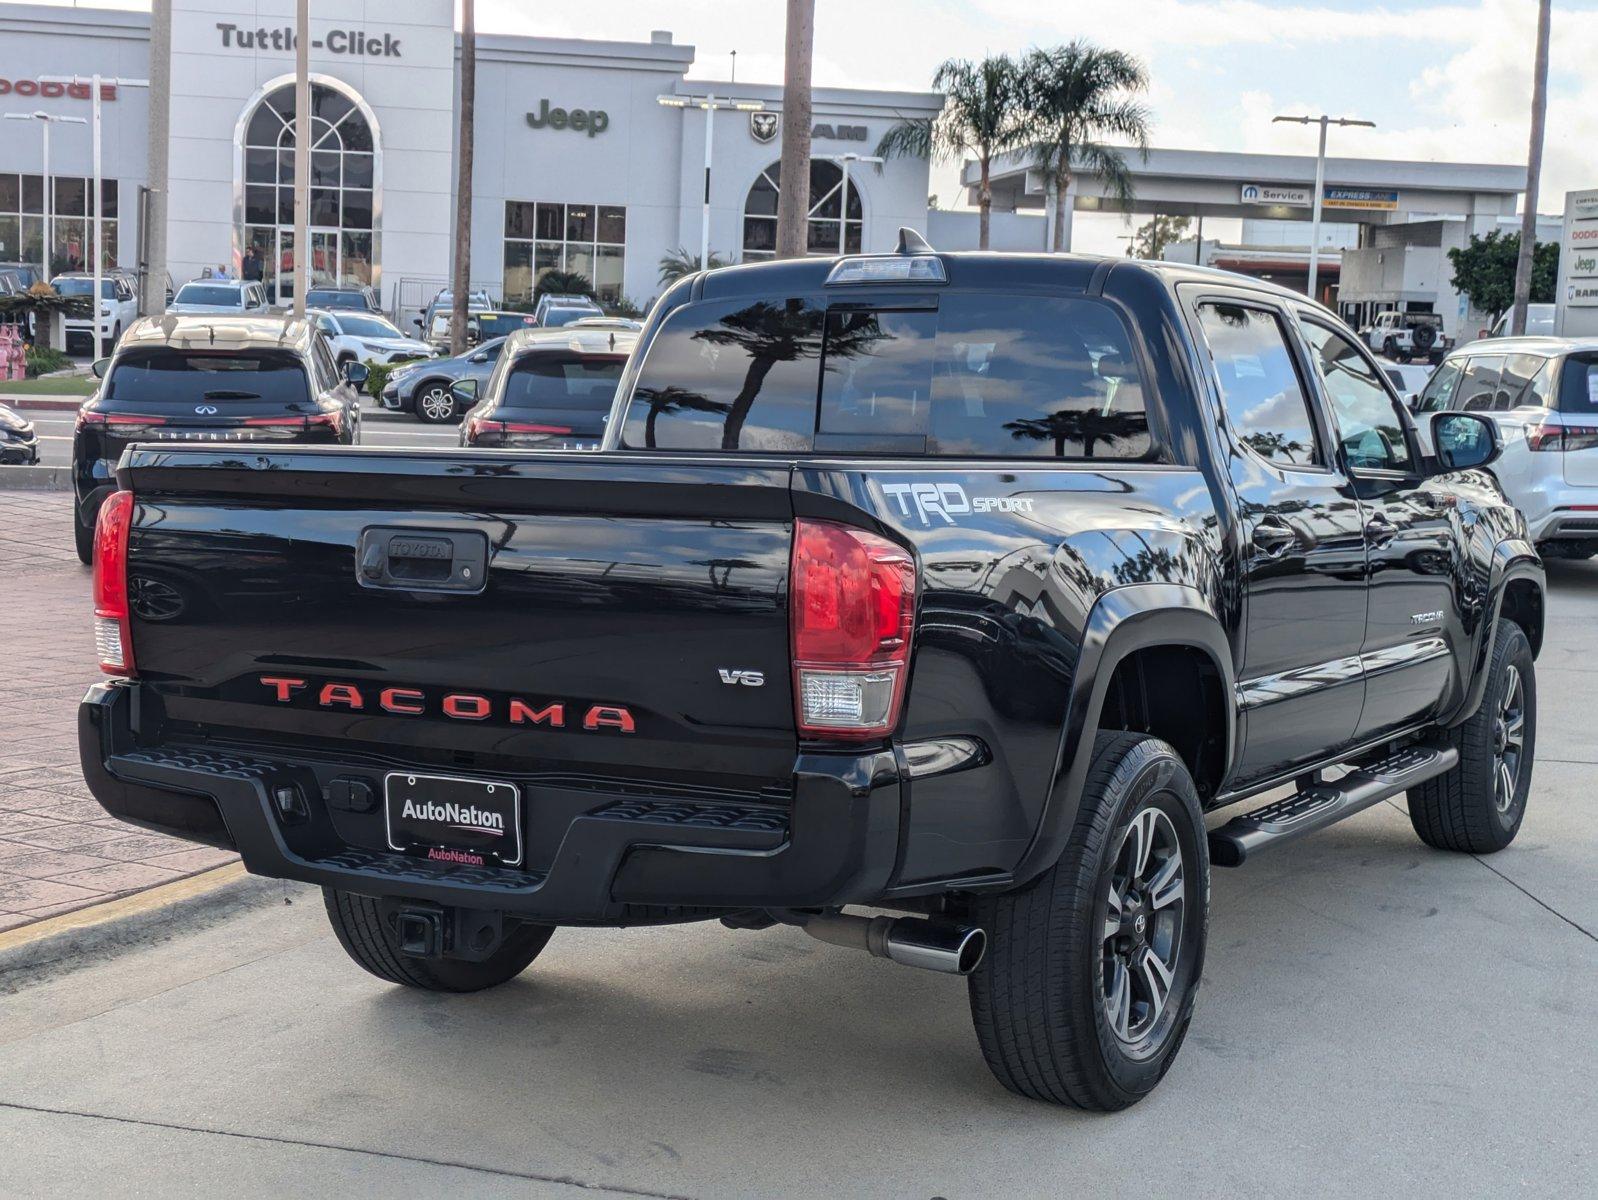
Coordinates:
473 822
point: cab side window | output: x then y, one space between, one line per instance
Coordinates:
1440 388
1260 388
1369 427
326 372
1478 390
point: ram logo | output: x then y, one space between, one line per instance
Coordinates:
747 678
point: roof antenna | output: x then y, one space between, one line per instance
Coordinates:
911 242
211 329
613 341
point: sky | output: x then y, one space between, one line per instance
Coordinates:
1444 80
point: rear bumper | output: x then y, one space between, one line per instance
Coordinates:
614 857
1568 524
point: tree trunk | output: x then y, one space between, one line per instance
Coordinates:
1062 187
793 192
153 268
461 279
1534 167
985 203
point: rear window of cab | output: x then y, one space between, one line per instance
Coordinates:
965 375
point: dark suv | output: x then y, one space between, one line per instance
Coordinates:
261 380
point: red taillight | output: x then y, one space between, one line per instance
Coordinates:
112 635
852 607
331 419
477 426
89 417
1544 436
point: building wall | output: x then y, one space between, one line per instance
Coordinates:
410 92
1007 231
38 40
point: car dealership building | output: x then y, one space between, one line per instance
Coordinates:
590 156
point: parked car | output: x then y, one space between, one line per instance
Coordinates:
357 335
235 297
476 302
482 326
361 299
1408 380
423 388
261 381
556 300
553 392
27 274
1407 335
1542 394
940 584
557 315
1539 322
19 445
119 308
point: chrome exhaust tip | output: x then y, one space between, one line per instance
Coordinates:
928 943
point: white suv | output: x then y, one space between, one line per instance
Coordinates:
1542 393
240 297
1403 335
119 307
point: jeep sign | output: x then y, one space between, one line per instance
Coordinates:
583 120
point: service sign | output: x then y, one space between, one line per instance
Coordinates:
1381 199
1274 194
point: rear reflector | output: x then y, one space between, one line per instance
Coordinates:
852 611
112 636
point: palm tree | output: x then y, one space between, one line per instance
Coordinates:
462 274
674 264
1076 95
793 184
1086 426
982 116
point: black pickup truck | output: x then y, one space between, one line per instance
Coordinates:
957 586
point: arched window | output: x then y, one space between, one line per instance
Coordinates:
826 204
346 181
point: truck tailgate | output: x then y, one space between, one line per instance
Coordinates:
618 616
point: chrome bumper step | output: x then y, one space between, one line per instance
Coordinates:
1327 803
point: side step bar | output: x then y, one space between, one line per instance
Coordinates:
1327 803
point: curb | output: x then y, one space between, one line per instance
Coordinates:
44 403
36 479
58 945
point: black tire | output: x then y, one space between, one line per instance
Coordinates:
440 412
83 540
374 944
1039 999
1468 809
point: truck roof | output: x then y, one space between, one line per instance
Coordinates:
1531 344
976 268
218 331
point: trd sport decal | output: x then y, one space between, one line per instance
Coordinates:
458 706
948 500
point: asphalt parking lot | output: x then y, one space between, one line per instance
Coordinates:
1377 1018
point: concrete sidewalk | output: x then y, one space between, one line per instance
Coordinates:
58 848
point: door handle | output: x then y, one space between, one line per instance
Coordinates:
1379 530
1272 538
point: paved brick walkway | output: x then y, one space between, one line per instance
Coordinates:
58 848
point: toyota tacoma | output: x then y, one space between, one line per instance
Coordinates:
958 588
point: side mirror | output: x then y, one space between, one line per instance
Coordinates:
465 392
99 367
1464 440
416 321
478 358
356 373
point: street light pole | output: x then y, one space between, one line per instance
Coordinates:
1320 184
302 153
96 82
710 103
46 120
843 160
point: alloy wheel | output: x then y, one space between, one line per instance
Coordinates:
1509 738
437 404
154 599
1142 925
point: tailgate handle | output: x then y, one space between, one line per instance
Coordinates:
422 560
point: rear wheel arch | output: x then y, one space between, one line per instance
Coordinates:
1522 603
1129 632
